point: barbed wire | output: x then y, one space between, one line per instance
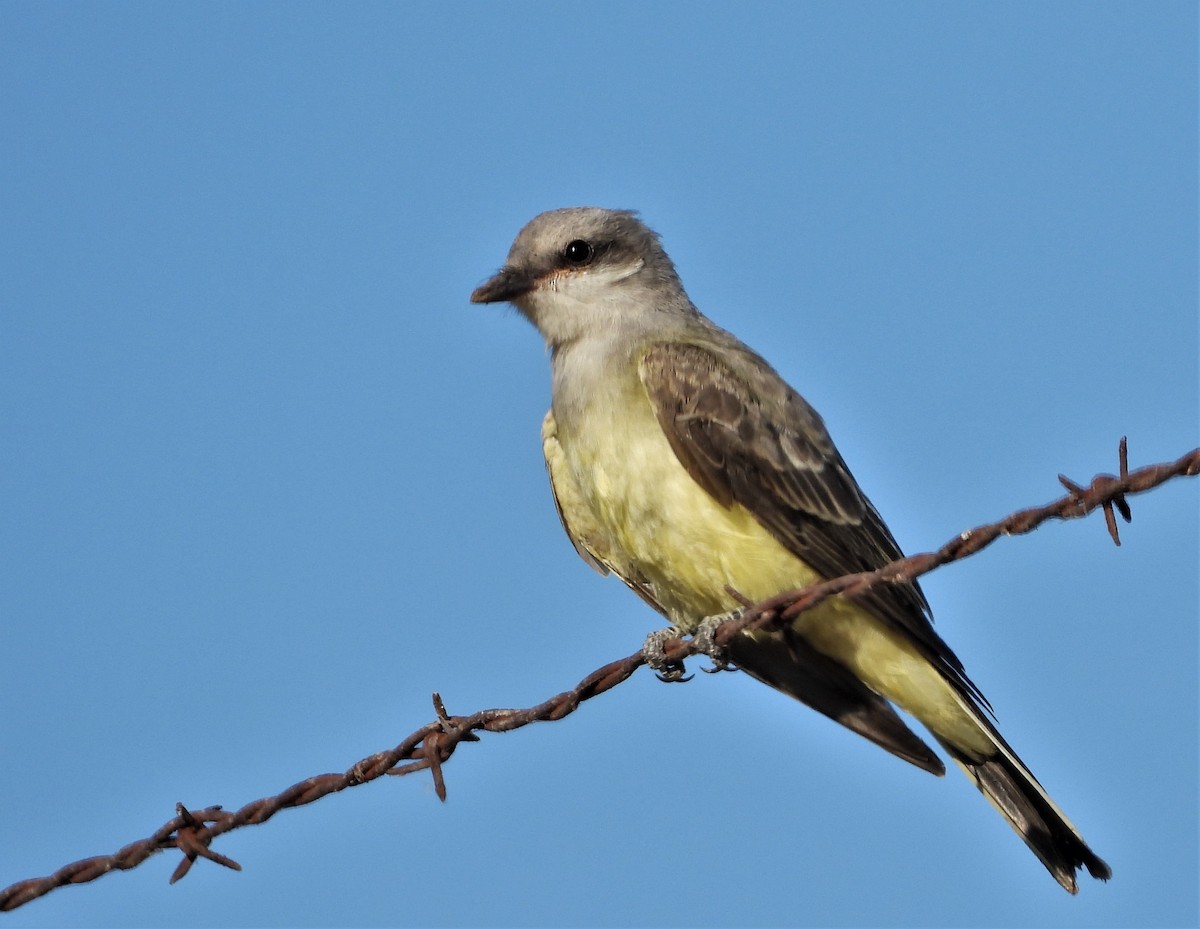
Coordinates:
429 747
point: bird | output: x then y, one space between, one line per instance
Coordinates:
681 462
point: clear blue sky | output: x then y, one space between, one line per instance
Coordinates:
268 479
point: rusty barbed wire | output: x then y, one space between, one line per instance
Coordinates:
429 747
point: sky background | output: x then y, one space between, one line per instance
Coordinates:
268 479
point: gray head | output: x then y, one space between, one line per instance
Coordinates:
585 271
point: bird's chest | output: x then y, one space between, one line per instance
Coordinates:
621 486
622 465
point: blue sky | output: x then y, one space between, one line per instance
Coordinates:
268 478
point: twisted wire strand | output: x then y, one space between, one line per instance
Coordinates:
429 747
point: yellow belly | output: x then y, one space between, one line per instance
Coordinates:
661 526
650 521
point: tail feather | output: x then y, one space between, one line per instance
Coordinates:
789 663
1016 794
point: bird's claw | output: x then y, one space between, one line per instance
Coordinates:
706 644
667 670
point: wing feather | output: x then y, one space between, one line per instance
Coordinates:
747 438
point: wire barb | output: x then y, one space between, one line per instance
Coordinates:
1116 501
192 832
439 745
192 839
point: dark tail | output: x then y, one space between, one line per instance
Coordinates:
1014 791
787 662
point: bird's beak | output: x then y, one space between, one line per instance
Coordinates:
508 284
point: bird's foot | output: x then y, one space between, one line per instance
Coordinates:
668 670
706 644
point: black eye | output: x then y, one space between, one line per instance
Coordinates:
578 252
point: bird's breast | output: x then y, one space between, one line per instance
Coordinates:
660 528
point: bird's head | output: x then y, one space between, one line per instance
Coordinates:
584 271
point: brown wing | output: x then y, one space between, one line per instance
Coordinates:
746 437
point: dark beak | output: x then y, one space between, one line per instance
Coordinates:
507 285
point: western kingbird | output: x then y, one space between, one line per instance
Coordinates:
681 462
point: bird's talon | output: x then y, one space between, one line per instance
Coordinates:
669 671
705 641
